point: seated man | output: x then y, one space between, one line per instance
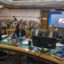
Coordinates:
37 31
51 32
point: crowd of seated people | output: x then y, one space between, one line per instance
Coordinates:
30 25
7 23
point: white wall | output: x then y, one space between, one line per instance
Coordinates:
26 14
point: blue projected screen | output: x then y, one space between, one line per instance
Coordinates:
57 19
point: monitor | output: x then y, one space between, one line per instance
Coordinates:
44 42
56 18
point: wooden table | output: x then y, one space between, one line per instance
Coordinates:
37 55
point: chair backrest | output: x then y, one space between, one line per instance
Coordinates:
28 33
3 32
10 31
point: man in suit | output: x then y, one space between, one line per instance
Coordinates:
51 32
37 31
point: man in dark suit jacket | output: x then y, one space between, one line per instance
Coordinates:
37 31
51 32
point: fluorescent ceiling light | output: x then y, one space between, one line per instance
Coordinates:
1 6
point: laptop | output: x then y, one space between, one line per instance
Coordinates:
44 42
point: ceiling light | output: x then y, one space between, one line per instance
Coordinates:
1 6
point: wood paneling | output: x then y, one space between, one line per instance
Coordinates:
44 19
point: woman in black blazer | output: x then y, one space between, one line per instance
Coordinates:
19 32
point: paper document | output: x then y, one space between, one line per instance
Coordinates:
4 36
59 44
25 42
5 40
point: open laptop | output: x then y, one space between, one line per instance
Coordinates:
44 42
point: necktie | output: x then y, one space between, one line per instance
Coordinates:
36 32
50 34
